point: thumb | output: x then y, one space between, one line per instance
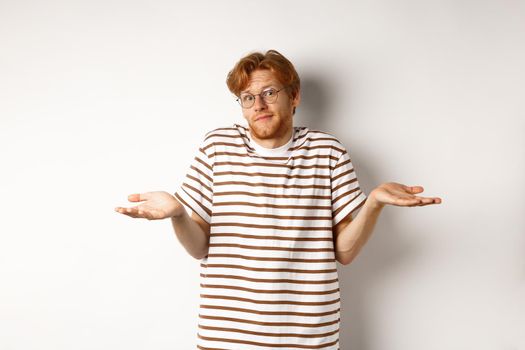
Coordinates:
138 197
415 189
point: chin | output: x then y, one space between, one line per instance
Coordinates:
265 132
269 130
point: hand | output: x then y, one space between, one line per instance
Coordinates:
157 205
400 195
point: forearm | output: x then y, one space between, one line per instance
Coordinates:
354 236
190 235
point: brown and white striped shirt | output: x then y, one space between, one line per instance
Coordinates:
269 280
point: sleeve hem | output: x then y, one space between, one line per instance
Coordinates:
190 203
354 204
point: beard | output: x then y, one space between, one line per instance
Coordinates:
270 129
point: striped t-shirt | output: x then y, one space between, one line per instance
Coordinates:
269 280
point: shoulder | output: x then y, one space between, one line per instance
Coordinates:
325 139
222 137
224 132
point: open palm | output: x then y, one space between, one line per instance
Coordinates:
402 195
156 205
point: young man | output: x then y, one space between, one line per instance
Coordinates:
272 208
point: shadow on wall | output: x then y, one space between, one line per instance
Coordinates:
384 251
315 101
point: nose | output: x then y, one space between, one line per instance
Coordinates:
259 104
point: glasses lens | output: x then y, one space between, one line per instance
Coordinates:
246 100
269 95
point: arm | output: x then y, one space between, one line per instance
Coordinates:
350 236
193 233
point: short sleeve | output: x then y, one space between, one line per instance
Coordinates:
196 191
347 195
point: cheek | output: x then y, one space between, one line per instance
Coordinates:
245 114
284 109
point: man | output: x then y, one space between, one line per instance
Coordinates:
272 208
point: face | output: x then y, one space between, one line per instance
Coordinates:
269 121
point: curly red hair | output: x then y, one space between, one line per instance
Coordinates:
239 77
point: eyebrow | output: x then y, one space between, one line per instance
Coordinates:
264 87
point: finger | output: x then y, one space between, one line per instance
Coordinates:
138 197
125 211
133 212
144 214
147 215
425 200
121 210
414 189
406 202
429 201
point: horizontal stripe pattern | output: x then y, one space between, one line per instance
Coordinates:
270 278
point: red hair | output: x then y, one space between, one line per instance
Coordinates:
239 77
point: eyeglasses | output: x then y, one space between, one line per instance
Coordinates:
247 100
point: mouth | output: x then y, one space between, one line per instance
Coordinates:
263 117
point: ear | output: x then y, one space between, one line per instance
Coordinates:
297 99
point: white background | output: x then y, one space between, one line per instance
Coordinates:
100 99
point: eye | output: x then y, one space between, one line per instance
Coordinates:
247 98
269 92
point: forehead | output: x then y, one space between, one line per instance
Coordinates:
260 79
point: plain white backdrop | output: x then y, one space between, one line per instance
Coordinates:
100 99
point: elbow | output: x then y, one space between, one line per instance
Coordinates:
344 259
200 251
199 255
344 262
